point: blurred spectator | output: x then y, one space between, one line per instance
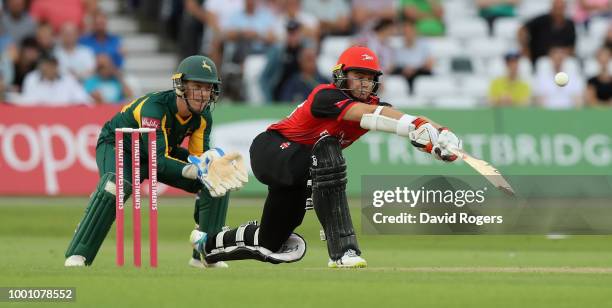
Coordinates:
608 39
58 12
48 86
7 44
553 29
170 15
26 61
490 10
76 59
413 58
191 29
16 21
584 10
367 12
548 94
282 61
213 15
6 74
107 85
45 37
7 71
133 5
100 41
599 88
426 14
91 8
299 86
275 7
333 16
251 30
293 11
2 91
510 90
378 41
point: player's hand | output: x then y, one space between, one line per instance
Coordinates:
221 173
447 140
423 135
199 164
438 142
230 170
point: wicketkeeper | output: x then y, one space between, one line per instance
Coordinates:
306 148
175 114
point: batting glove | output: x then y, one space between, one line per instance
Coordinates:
446 140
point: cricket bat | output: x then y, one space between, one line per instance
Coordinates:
485 169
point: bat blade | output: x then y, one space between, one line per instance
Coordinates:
485 169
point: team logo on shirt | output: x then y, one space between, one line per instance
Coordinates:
206 66
285 145
341 138
341 104
150 123
366 57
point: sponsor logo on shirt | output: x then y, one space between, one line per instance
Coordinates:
151 123
341 137
341 104
285 145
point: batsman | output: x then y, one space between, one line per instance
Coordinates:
184 111
300 160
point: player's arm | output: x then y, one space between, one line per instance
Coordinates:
180 153
423 133
207 130
199 141
358 110
199 145
217 171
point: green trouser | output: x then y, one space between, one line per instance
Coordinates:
209 214
100 212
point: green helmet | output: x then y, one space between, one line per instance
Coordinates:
196 68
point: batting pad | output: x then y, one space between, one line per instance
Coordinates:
328 173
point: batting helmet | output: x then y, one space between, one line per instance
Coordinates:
357 58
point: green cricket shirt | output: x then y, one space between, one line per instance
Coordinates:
158 110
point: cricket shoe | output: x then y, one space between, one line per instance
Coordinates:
197 263
75 260
198 241
219 264
350 259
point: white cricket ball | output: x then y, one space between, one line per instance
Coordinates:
561 79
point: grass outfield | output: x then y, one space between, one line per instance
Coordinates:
406 271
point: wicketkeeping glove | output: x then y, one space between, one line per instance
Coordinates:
221 174
200 163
